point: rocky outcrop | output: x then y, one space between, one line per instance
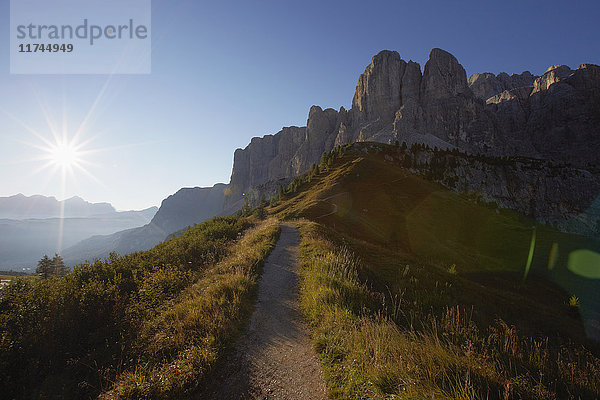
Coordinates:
559 120
393 101
553 75
379 90
537 188
558 194
446 114
486 85
443 78
268 158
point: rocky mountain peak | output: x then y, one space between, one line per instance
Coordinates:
589 66
553 74
378 92
586 77
443 77
38 206
189 206
558 68
411 82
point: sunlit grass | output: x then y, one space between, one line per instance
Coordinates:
146 325
574 301
179 345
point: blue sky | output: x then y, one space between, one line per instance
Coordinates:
223 72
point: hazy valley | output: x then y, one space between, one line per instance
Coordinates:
32 226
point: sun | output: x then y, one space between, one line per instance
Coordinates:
64 155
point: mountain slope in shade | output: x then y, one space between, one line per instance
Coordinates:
186 207
370 195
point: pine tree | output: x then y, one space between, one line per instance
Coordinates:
58 266
262 202
45 267
260 212
323 158
330 160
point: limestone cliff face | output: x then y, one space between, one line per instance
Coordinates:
486 85
446 114
558 120
555 117
268 158
563 195
379 89
393 101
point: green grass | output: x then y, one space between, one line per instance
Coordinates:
413 341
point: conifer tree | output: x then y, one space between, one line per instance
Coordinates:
58 266
262 201
246 209
45 267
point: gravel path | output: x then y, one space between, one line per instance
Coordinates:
274 358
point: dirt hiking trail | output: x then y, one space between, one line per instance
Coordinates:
273 359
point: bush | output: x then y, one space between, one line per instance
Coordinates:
70 337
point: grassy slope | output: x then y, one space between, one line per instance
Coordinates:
183 341
146 325
385 204
479 333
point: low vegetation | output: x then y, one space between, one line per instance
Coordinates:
146 325
412 291
415 291
420 331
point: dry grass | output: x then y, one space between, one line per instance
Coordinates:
183 342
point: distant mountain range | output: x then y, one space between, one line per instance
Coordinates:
37 206
32 226
553 118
